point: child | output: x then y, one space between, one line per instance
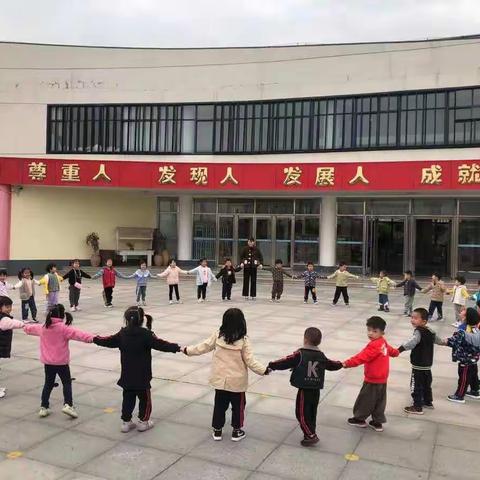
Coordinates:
7 324
172 272
341 283
372 398
310 278
26 289
438 289
308 365
228 278
141 275
108 273
55 355
460 296
277 276
51 285
4 285
204 277
467 357
231 359
410 286
383 284
421 358
136 344
74 276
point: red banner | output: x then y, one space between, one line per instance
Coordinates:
321 177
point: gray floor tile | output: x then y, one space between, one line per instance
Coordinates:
380 471
27 469
453 463
21 435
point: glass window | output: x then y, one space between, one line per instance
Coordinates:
204 236
307 206
230 205
274 206
167 205
469 246
431 206
306 245
388 207
204 137
350 240
204 205
350 207
167 231
470 208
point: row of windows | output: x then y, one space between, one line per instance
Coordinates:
400 120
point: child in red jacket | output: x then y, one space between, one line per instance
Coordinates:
108 274
372 398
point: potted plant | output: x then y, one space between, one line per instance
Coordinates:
92 241
130 246
159 243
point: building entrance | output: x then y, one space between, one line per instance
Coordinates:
432 246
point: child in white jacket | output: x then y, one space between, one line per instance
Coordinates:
232 358
204 278
172 272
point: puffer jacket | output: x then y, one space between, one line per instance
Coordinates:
438 290
230 363
463 352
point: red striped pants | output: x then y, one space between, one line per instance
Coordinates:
306 410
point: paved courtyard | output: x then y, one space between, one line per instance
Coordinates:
444 443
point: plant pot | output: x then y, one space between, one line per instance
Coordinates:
158 260
166 257
95 260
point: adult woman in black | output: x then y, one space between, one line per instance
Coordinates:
251 259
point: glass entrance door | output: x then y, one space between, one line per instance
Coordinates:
283 240
244 232
225 238
432 246
264 238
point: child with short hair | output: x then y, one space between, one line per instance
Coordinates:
383 284
410 286
55 334
135 344
204 278
460 296
277 276
308 365
421 345
74 277
310 278
438 289
227 274
467 357
51 285
172 272
341 276
232 358
108 274
142 275
4 285
26 290
7 324
372 398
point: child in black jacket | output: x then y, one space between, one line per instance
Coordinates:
228 278
74 276
308 365
410 286
277 276
136 344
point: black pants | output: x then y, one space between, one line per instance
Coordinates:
144 404
306 410
223 399
202 291
467 377
74 295
51 372
435 305
29 304
421 387
171 288
277 289
344 292
141 292
249 282
108 295
226 290
371 400
307 291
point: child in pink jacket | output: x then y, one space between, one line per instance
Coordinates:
172 272
55 355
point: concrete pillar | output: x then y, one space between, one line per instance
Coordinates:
5 216
185 227
328 232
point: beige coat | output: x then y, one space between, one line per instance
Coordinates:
438 290
230 362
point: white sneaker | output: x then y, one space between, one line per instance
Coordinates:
73 309
144 303
3 392
246 298
144 426
70 411
200 300
170 302
179 301
110 306
127 426
43 412
78 308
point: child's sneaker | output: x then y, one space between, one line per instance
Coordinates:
387 309
381 308
455 398
43 412
144 426
474 395
110 305
170 302
73 309
309 441
246 298
334 304
305 301
414 410
127 426
70 411
217 435
376 426
440 319
144 303
272 300
238 435
3 392
199 300
356 422
429 406
253 298
77 308
315 302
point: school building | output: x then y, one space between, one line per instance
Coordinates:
367 153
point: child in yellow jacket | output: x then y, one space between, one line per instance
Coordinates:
383 285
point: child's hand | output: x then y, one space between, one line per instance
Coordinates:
184 350
268 371
344 365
